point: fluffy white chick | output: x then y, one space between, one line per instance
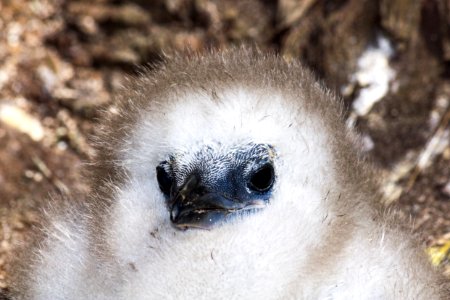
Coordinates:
228 175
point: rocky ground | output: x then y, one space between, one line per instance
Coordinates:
62 61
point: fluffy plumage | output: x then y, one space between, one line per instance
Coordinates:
320 235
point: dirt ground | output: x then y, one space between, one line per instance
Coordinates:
61 62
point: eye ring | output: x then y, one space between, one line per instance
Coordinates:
262 179
165 181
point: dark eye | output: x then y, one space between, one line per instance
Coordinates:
262 179
164 180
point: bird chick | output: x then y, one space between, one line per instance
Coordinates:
228 175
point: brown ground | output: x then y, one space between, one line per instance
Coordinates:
61 61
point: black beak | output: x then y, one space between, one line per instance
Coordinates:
194 206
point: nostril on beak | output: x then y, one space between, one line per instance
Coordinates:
199 191
188 192
184 191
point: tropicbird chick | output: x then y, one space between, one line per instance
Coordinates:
227 176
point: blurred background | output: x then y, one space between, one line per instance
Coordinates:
62 61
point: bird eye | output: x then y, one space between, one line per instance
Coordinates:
164 180
262 180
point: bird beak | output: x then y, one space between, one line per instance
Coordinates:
193 208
